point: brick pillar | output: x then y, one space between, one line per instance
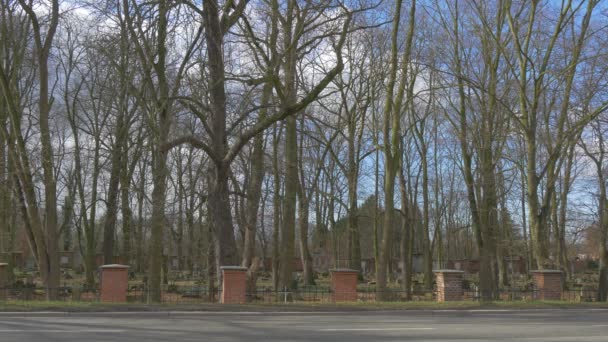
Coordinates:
344 285
449 285
234 285
114 283
548 284
3 281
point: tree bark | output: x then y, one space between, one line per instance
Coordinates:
354 243
112 199
392 135
406 247
303 207
159 159
255 185
220 212
276 209
289 206
291 151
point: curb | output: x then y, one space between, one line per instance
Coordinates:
144 314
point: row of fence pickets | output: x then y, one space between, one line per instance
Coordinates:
193 295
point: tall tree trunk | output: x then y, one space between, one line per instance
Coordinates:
256 181
354 245
426 245
220 211
387 234
376 223
563 202
89 226
91 239
303 207
159 159
254 195
291 152
139 232
289 206
6 202
47 241
406 240
112 199
489 268
602 292
190 214
257 164
211 262
179 241
125 187
157 224
527 244
220 215
537 218
392 134
253 201
276 209
481 196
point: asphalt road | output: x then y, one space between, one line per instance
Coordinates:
474 325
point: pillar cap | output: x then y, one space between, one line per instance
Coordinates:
448 271
114 266
546 271
233 268
345 270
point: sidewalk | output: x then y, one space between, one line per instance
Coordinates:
66 308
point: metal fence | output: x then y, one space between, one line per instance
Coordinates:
370 294
64 293
313 294
580 295
175 295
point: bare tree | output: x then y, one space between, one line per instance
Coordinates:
395 99
530 66
43 235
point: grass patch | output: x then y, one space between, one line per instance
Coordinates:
25 306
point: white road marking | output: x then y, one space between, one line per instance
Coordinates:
292 322
61 331
374 329
563 338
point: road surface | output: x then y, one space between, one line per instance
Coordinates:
463 325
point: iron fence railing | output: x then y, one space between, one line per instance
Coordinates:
371 294
580 295
309 294
312 294
175 295
64 293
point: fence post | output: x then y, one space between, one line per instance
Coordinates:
3 281
548 283
234 285
114 283
449 285
343 285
